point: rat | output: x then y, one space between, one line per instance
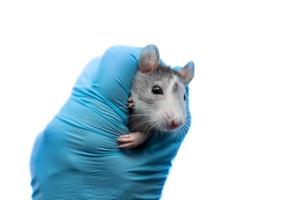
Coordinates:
157 99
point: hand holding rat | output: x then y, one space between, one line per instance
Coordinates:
77 157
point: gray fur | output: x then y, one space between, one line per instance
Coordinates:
162 76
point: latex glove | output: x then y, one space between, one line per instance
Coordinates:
77 155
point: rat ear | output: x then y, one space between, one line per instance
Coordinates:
149 58
187 72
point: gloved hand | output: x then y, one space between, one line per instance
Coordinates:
77 155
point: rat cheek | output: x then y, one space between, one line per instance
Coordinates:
157 116
155 120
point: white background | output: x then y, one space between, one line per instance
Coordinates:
244 142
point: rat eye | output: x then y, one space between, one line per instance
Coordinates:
157 90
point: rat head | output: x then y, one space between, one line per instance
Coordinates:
159 92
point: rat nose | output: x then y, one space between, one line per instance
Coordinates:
175 123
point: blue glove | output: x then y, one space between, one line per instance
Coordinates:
77 155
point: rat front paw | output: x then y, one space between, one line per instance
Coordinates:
131 140
130 103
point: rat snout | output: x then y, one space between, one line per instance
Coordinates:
173 122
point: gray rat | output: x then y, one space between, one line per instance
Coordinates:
157 101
